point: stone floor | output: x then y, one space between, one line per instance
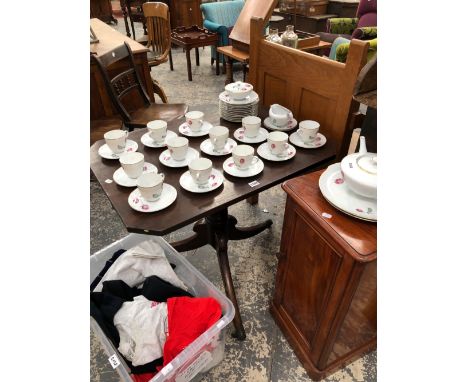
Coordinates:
265 355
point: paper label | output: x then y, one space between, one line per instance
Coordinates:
166 369
114 361
108 181
325 215
254 183
194 368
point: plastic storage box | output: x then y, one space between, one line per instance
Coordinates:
202 354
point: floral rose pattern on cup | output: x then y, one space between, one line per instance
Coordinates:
145 168
369 210
242 160
136 200
212 176
273 145
129 149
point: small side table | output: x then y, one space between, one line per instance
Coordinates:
233 54
325 299
194 37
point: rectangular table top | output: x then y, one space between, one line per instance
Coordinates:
190 207
109 39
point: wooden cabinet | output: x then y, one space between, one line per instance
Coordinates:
325 299
185 13
102 10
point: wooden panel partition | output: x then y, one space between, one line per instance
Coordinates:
312 87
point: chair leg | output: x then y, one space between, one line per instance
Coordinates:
171 64
157 89
212 61
133 28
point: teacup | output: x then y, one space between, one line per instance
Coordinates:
251 126
132 164
150 185
243 156
278 142
219 136
308 130
238 90
194 120
200 169
279 115
116 140
178 147
157 130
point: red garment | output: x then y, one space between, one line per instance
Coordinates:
143 377
187 319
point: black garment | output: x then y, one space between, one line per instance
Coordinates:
109 262
103 308
156 289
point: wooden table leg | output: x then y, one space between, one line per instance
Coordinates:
171 64
189 64
229 75
197 57
217 63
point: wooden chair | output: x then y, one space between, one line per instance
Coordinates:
312 87
132 10
158 39
128 83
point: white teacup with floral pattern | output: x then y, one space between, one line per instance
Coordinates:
178 147
278 143
195 120
243 156
251 126
150 185
219 136
308 130
279 115
157 130
116 140
132 164
200 169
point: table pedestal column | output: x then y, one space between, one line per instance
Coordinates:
217 230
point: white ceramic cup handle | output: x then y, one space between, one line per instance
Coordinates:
126 134
290 116
255 159
286 146
163 176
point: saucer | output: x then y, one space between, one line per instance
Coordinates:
105 152
122 179
230 167
319 141
148 141
289 126
185 130
336 192
241 137
166 159
216 180
167 197
252 97
207 147
265 153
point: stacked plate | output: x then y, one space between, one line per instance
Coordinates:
234 110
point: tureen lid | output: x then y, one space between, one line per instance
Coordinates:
368 163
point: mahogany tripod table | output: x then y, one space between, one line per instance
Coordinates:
210 210
194 37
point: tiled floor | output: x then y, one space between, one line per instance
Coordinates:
265 355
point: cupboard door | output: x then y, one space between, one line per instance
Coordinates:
188 13
309 275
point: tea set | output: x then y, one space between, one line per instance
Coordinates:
351 186
153 194
238 100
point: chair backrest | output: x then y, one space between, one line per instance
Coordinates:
367 13
312 87
223 13
159 28
124 82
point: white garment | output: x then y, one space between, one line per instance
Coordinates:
142 326
138 263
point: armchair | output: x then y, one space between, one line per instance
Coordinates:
366 16
219 18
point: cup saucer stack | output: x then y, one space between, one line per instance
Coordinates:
234 110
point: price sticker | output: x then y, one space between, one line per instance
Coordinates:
254 183
114 361
108 181
327 216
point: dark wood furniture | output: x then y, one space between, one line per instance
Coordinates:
128 83
218 227
194 37
310 24
325 298
343 8
102 10
101 103
312 87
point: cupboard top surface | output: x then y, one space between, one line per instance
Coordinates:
358 236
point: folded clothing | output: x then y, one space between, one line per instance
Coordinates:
142 261
188 318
